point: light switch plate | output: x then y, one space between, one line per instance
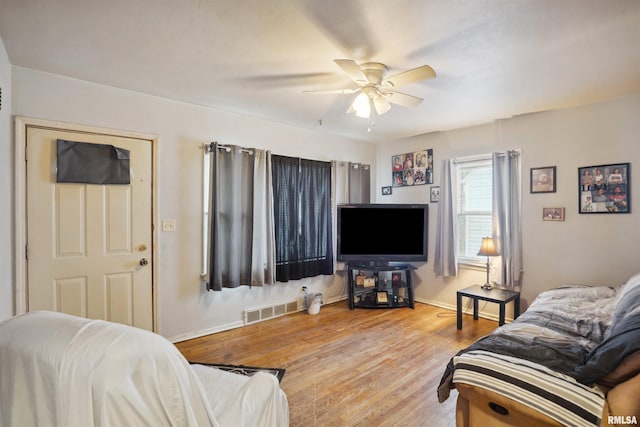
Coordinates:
169 225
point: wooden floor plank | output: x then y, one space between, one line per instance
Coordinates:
352 367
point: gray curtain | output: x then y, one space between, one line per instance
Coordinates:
359 183
507 215
239 221
351 183
263 258
346 181
445 262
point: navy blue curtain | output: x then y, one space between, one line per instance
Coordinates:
302 217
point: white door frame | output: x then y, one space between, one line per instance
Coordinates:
21 124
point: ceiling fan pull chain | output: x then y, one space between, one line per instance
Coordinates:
372 117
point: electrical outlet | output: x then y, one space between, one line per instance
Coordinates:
169 225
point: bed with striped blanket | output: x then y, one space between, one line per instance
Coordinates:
559 362
555 395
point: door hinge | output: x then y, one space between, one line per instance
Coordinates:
26 252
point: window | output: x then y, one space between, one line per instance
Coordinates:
474 206
302 217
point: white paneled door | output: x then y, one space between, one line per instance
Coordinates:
89 246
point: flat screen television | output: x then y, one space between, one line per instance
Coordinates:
383 233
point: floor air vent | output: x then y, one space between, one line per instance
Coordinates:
259 314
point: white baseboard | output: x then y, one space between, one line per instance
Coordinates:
203 332
336 299
453 308
229 326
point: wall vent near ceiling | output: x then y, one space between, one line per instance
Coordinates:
259 314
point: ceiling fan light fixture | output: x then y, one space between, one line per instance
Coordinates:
382 104
377 93
362 106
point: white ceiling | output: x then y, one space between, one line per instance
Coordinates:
494 58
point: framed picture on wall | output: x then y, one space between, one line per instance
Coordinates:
543 180
604 188
435 194
411 169
553 214
386 191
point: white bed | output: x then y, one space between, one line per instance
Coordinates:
62 370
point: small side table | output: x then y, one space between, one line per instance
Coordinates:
497 295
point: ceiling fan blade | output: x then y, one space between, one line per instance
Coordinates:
343 22
353 70
403 99
332 91
292 79
415 75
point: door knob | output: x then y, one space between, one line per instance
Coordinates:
144 262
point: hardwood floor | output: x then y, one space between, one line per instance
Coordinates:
353 368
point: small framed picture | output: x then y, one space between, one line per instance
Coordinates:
435 194
386 191
543 180
604 188
382 298
553 214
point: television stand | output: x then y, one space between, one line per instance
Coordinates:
374 285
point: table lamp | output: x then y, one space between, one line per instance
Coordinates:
487 248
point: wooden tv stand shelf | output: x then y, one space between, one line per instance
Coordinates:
380 286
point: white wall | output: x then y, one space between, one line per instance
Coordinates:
590 249
6 189
185 309
597 249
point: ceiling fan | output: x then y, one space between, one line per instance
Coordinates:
377 92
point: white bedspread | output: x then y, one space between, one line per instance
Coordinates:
67 371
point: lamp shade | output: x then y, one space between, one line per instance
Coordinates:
488 247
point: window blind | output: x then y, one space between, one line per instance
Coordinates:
474 207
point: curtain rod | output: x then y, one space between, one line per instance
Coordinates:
209 148
355 165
